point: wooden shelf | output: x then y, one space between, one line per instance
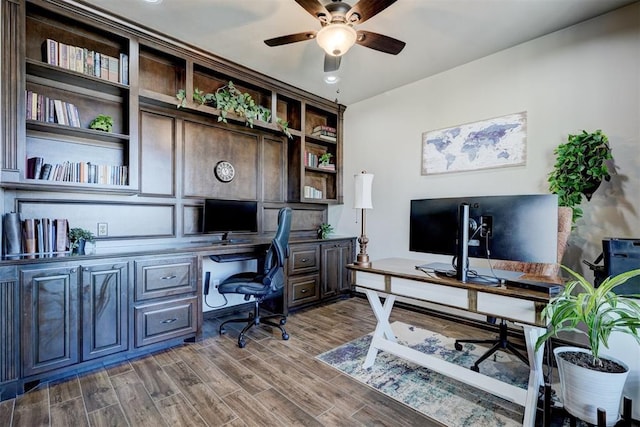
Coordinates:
58 129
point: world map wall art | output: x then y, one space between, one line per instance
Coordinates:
491 143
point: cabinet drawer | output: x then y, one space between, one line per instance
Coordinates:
159 322
165 277
304 259
303 289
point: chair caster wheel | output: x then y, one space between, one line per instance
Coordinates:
458 346
285 336
222 331
474 368
241 343
283 322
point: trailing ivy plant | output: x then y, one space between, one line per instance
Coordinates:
229 99
581 165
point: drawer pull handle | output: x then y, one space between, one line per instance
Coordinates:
169 320
173 276
304 291
304 259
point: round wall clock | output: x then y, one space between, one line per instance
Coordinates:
224 171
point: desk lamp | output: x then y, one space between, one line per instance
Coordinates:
362 200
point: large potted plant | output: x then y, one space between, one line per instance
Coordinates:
580 167
590 380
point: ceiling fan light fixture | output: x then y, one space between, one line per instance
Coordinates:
336 39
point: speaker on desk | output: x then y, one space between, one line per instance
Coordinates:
622 255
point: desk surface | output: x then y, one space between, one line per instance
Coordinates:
405 268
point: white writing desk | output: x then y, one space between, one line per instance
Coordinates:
394 277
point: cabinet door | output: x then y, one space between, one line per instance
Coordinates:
104 309
49 318
335 276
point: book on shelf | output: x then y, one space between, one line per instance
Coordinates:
29 236
50 51
324 128
331 138
61 115
89 58
34 167
62 235
63 55
124 69
104 67
46 171
97 64
114 69
329 167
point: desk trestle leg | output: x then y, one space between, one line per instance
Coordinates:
383 328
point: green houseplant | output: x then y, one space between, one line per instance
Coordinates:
580 167
78 237
102 122
325 159
324 230
588 379
229 99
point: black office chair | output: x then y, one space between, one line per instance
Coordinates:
565 215
265 285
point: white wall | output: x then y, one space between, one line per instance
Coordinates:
584 77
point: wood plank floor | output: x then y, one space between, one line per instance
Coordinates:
271 382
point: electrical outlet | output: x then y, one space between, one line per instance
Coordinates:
216 283
102 229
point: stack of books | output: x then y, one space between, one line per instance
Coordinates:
312 193
327 133
86 61
45 109
81 172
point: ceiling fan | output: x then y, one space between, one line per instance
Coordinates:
338 34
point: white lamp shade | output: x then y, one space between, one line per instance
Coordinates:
336 39
363 184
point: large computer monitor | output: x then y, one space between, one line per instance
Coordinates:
227 216
515 227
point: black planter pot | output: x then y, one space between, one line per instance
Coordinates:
79 249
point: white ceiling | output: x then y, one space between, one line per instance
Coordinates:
439 35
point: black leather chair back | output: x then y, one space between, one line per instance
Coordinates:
278 252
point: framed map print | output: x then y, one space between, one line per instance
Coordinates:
491 143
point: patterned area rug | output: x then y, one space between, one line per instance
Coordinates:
439 397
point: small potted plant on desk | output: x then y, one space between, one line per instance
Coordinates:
78 237
588 379
324 230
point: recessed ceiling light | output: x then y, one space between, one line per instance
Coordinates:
331 79
154 1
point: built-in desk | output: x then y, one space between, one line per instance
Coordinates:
393 277
63 313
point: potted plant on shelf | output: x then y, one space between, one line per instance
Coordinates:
324 230
78 237
102 122
324 159
590 380
580 167
229 99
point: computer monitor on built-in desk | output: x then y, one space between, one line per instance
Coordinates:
230 216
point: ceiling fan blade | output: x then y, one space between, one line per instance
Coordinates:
380 42
291 38
367 9
315 8
331 63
